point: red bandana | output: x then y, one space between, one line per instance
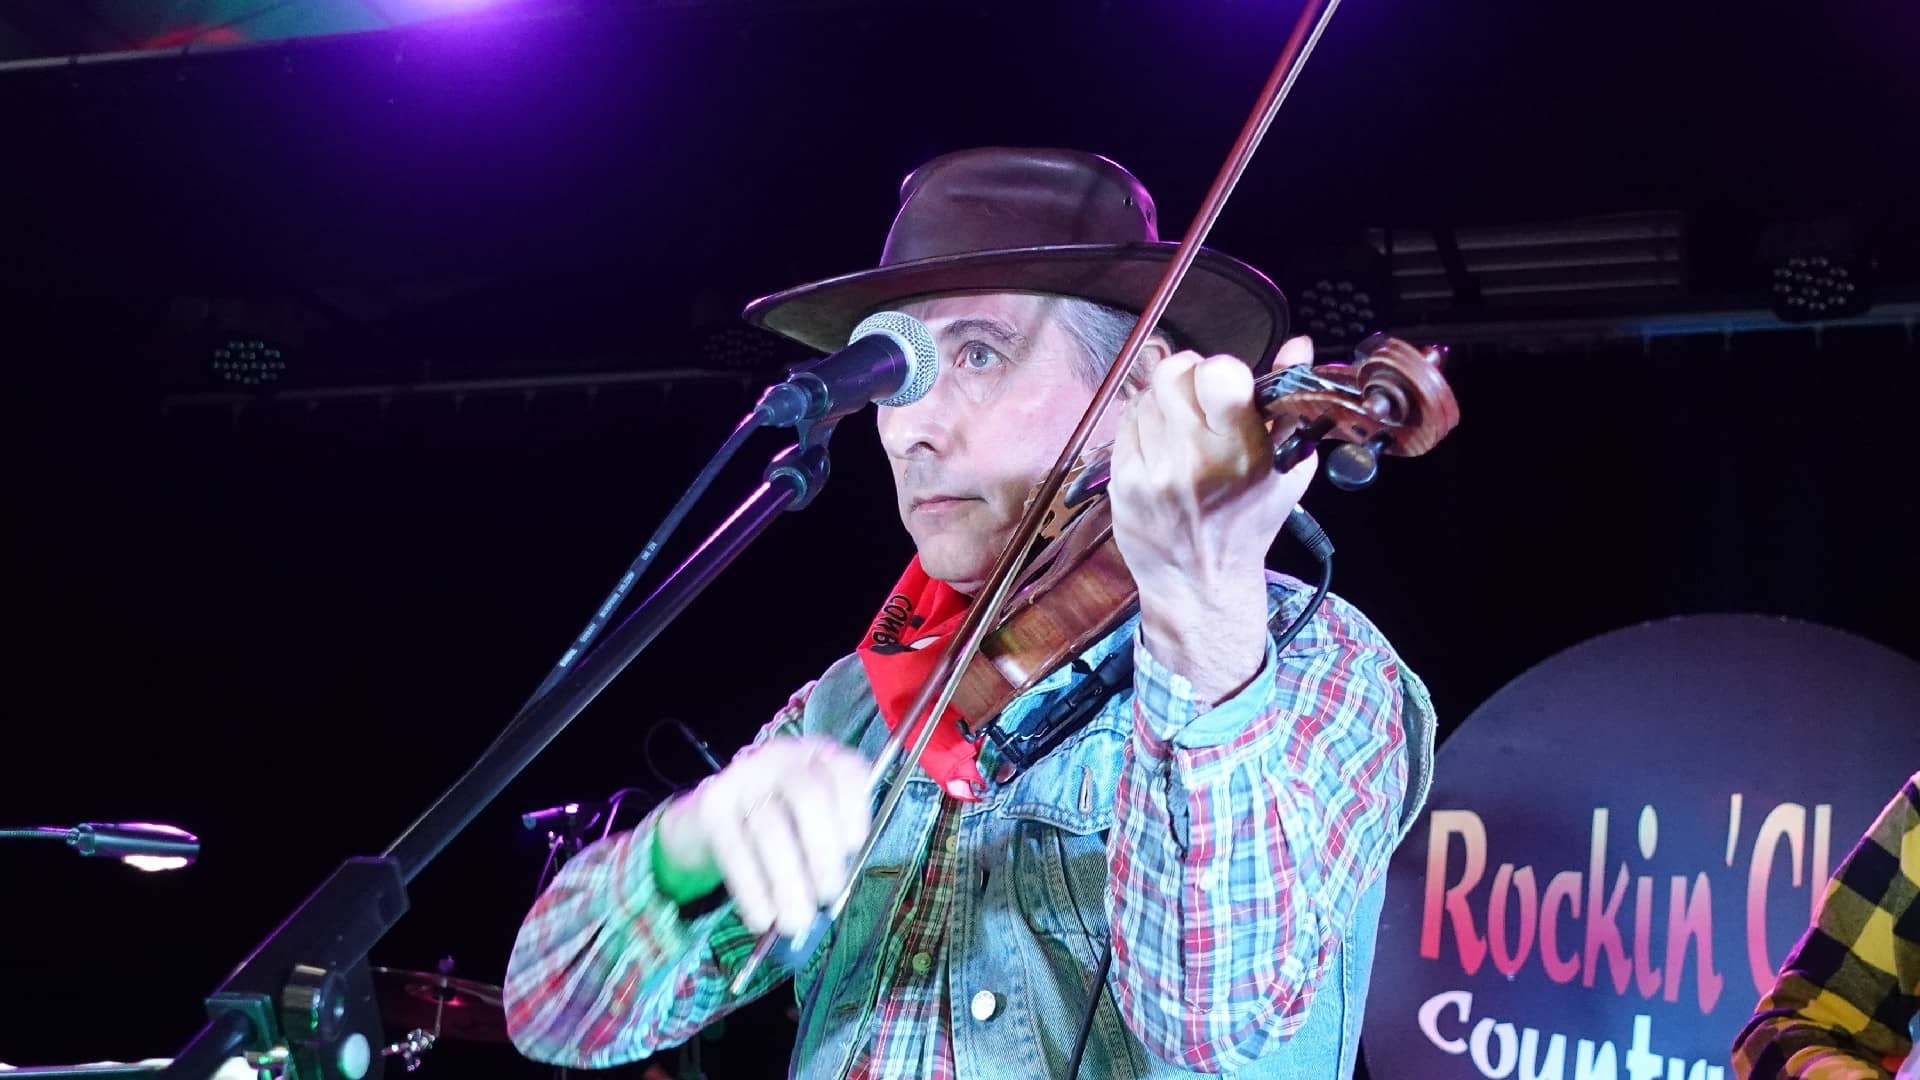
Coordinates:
920 608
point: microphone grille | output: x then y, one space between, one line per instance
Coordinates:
916 341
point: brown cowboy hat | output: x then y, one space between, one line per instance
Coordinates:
1061 222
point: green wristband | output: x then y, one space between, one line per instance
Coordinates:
680 886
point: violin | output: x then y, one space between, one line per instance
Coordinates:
1392 400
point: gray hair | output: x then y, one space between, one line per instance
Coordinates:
1101 332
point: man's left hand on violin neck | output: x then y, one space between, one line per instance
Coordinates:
1196 505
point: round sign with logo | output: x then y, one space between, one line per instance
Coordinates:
1622 845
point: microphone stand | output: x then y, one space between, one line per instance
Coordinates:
303 1002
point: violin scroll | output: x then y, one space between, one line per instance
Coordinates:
1391 399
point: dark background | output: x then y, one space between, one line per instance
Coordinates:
288 623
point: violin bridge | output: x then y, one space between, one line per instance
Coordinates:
1059 512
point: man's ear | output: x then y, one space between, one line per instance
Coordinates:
1156 349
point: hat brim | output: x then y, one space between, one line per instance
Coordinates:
1222 306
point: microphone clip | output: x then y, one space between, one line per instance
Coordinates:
813 434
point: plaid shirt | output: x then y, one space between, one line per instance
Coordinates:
1266 817
909 1034
1844 1001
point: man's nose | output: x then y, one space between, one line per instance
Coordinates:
924 427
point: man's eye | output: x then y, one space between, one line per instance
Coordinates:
977 356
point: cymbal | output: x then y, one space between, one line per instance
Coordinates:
468 1011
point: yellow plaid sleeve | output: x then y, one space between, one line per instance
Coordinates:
1845 999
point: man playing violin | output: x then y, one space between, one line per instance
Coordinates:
1219 829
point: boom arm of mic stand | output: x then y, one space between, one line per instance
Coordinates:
306 987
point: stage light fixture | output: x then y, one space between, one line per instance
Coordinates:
1336 312
1817 270
247 362
734 346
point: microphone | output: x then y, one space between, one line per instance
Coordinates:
890 359
140 844
562 815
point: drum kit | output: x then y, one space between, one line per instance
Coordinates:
432 1007
438 1007
428 1007
424 1008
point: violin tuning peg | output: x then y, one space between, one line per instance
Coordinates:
1300 444
1292 450
1351 466
1370 344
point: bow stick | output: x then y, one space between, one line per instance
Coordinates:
931 702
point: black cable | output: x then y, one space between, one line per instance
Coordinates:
1302 527
37 832
1300 621
693 739
613 807
1093 1003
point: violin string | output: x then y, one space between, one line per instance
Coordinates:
1294 379
1096 459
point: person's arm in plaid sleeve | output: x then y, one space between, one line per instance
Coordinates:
1845 998
1246 831
609 968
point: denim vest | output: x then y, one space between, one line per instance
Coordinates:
1029 921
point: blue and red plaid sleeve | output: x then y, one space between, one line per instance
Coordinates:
1246 833
606 968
